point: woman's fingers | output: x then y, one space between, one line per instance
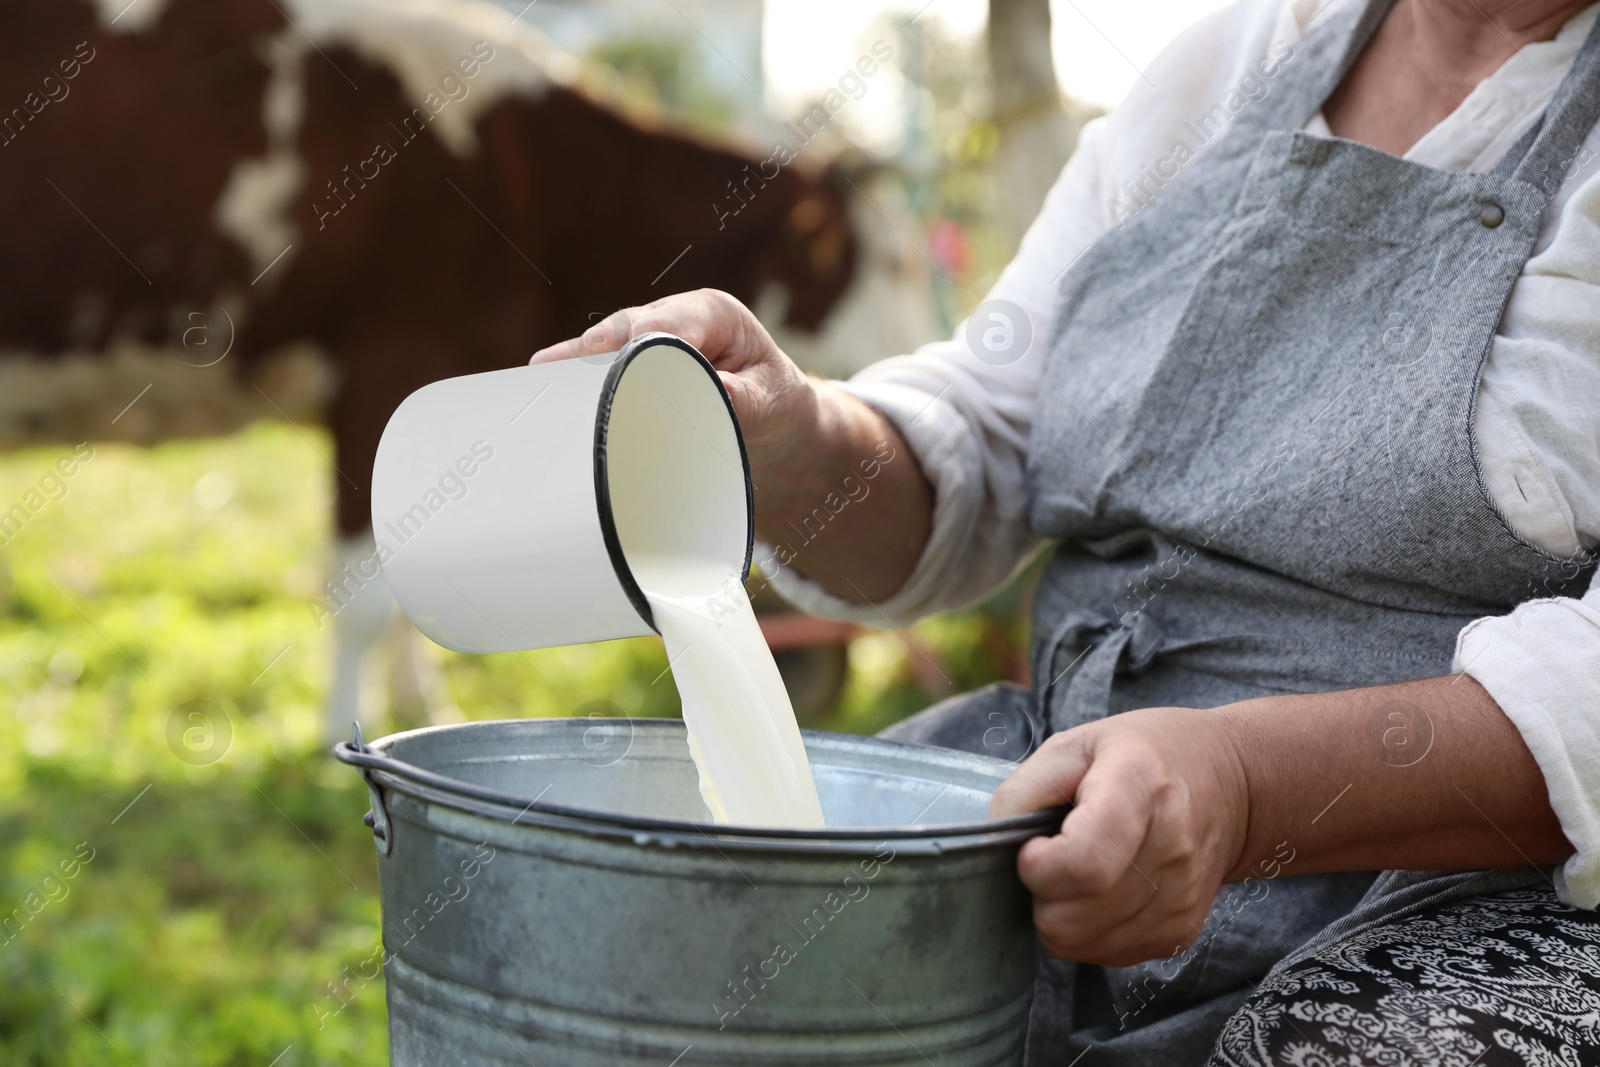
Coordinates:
1093 855
1087 880
1154 902
1157 820
1047 779
714 322
607 335
775 403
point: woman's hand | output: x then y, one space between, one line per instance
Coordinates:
1427 775
775 401
810 444
1160 819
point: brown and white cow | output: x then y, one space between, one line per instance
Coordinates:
220 210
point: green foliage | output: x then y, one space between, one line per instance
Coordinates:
222 898
661 72
950 145
204 924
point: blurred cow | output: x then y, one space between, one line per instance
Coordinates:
220 210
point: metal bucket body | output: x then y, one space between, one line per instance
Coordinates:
609 923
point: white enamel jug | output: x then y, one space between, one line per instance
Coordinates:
505 505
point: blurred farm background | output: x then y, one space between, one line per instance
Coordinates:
184 876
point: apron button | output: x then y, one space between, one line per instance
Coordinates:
1492 215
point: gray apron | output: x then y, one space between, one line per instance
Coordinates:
1254 440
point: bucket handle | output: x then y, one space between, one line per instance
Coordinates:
357 753
377 817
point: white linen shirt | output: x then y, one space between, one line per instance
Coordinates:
1538 415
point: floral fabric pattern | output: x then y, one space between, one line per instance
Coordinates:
1510 979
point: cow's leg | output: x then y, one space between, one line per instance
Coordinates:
361 605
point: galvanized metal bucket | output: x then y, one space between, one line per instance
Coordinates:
555 893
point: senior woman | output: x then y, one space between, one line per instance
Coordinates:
1311 412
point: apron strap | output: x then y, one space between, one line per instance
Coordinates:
1333 40
1508 163
1542 155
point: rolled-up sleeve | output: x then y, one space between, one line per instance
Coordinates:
1541 663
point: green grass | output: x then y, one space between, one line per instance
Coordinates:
227 888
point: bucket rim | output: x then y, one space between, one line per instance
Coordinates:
377 766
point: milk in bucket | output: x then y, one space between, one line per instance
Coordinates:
617 497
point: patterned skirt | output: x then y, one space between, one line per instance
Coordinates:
1507 979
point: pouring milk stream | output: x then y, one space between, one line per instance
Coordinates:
742 731
618 497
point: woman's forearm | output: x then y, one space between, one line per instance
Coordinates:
1424 775
1169 803
847 498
